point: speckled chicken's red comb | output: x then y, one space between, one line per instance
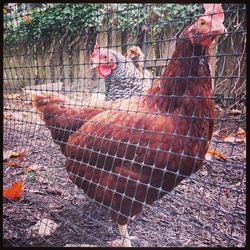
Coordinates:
96 46
96 50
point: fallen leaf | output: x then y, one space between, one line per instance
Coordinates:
13 164
15 191
15 154
12 154
240 137
219 133
33 168
44 227
36 191
22 154
241 132
12 96
7 115
234 112
204 171
28 19
7 154
208 157
28 169
214 154
234 139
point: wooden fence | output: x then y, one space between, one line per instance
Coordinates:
69 63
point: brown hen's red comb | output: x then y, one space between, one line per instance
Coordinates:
215 9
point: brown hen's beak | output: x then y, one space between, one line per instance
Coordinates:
217 28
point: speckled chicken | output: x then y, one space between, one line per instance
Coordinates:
122 78
128 157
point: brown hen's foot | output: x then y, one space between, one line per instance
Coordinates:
120 243
125 241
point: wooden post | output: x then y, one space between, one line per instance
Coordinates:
212 63
84 69
56 62
39 65
17 69
47 63
30 63
9 83
75 64
22 51
66 64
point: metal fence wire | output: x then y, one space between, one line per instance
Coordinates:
124 124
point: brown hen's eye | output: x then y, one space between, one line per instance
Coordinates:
202 23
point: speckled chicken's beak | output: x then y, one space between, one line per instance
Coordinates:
94 65
95 59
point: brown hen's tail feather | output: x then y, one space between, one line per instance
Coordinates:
40 101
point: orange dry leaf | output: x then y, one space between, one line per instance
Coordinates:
33 168
234 112
241 132
214 154
15 191
12 154
240 137
234 139
13 164
219 133
22 154
7 115
7 154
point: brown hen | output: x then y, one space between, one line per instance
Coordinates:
126 159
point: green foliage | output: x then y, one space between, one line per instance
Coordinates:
52 22
158 16
55 20
129 16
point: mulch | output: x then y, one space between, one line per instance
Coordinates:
208 209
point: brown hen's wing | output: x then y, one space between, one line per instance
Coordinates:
131 153
105 161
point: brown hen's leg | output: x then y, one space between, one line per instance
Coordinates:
125 237
125 241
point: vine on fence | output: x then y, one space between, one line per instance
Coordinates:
49 21
37 26
39 21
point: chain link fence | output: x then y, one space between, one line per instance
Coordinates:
108 109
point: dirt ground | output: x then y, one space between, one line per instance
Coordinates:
209 209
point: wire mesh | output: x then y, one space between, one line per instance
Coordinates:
95 97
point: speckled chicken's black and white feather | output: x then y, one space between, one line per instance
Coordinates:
122 78
125 81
